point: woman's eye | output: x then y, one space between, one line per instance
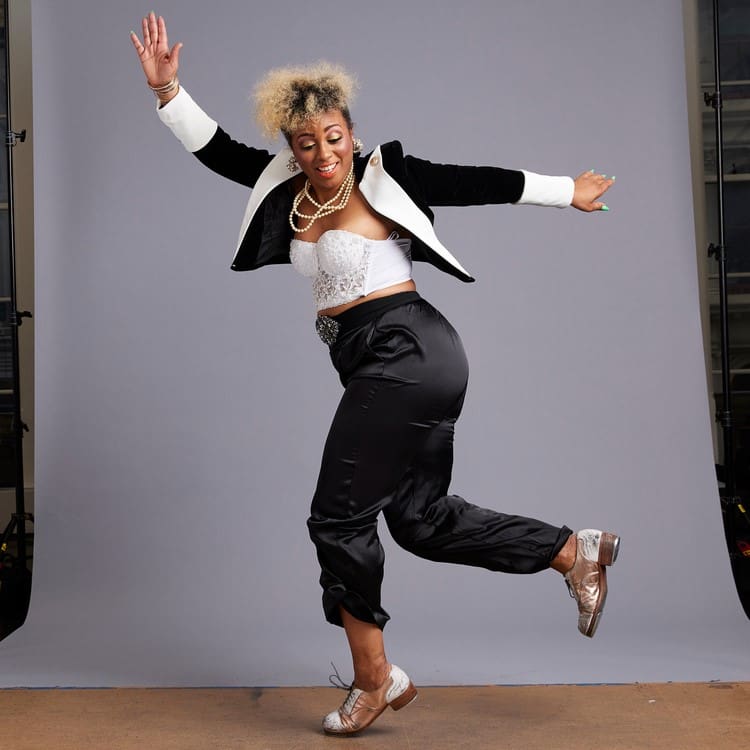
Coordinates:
334 140
307 146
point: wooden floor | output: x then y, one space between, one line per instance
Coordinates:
683 716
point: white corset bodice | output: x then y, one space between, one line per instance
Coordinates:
344 265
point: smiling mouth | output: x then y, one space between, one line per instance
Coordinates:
327 170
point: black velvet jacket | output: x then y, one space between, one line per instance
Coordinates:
400 187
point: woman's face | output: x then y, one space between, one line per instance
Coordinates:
323 149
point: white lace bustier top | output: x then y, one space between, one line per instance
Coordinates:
344 265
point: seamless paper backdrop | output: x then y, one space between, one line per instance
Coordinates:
182 407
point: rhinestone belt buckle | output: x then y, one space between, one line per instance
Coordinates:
327 328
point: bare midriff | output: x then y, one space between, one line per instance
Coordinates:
404 286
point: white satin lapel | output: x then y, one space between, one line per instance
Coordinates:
387 197
274 174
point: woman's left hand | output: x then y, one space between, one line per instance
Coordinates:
589 187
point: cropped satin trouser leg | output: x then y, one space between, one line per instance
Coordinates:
390 449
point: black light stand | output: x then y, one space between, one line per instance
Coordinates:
733 511
15 578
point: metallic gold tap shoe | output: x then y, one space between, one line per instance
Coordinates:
361 708
587 579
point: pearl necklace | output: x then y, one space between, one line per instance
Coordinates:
323 209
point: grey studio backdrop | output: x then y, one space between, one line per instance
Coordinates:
182 407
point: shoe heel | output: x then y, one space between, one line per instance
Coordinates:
405 698
609 546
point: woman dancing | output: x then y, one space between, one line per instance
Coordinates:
354 224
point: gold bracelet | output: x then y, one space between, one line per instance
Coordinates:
165 88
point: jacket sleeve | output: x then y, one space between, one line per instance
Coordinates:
203 137
455 185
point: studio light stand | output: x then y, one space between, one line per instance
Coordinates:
735 516
15 577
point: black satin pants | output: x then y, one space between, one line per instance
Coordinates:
390 450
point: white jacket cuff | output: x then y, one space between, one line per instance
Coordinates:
543 190
187 121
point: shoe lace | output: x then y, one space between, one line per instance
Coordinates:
336 680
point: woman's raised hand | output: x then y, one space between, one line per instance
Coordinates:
159 63
589 187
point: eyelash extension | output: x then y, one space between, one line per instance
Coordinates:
331 140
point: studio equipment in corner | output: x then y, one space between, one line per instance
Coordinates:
734 510
15 576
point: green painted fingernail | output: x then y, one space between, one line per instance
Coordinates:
604 208
613 177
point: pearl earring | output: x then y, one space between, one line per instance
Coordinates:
292 165
357 145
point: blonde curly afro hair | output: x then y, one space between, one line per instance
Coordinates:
286 98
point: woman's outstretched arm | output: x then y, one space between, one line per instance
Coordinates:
198 132
457 185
